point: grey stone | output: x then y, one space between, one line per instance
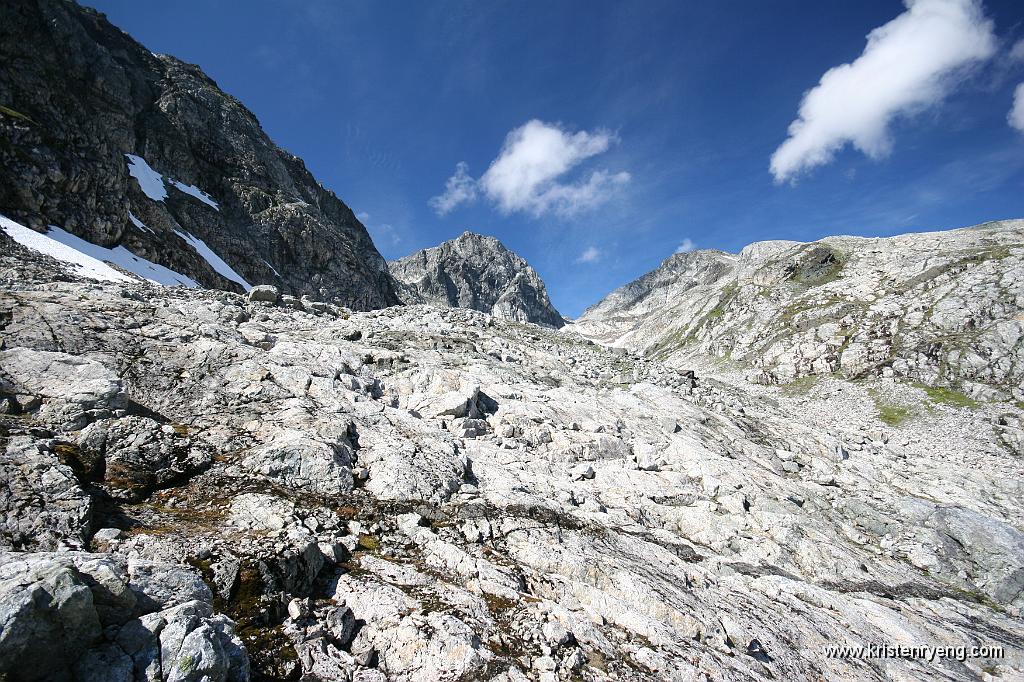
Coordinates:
264 293
48 617
43 505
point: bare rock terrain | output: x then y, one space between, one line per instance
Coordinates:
421 493
311 464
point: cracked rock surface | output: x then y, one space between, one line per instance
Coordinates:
226 489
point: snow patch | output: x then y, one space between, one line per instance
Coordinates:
197 193
138 223
151 182
215 261
91 260
272 268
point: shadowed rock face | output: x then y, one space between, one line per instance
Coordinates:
77 95
478 272
941 308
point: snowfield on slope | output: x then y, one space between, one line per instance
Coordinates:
91 260
153 183
215 261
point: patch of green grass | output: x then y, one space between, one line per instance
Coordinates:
890 413
992 253
977 597
7 111
801 385
947 396
893 415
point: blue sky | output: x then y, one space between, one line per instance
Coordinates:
599 137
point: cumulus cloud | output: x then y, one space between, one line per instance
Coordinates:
385 233
460 188
686 246
590 255
1016 115
908 65
1017 51
529 173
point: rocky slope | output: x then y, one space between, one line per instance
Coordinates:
477 272
200 485
78 96
939 308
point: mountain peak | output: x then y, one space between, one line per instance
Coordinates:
479 272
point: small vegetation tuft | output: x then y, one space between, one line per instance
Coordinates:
947 396
7 111
801 385
368 543
890 413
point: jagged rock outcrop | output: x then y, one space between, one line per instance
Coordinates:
77 96
424 493
939 308
477 272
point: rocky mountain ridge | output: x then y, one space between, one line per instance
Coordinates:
939 308
477 272
122 147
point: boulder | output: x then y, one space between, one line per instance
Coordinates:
94 617
304 462
264 293
41 501
68 386
48 616
140 455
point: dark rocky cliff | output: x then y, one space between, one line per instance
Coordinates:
77 95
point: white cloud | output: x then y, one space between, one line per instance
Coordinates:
380 234
527 175
1016 115
385 234
1017 51
590 255
459 189
908 65
686 246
